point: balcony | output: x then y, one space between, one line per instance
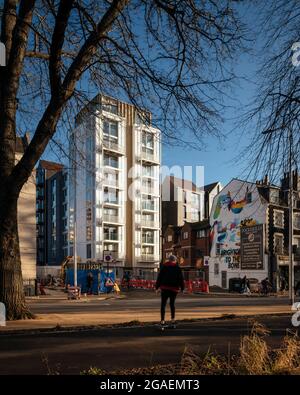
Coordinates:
110 200
149 223
148 240
111 237
149 157
112 145
147 258
111 218
148 190
148 206
111 182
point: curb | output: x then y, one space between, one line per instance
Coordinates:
131 324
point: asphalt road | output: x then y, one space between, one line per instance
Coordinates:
113 348
143 303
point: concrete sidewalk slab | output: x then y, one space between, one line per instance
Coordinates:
125 315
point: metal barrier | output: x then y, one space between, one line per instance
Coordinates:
30 287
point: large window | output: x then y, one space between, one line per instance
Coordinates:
297 221
110 160
274 196
111 233
110 129
195 214
111 196
148 140
148 237
200 233
148 203
278 243
278 219
147 170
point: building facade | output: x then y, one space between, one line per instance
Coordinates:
250 232
52 216
114 185
27 218
182 201
191 244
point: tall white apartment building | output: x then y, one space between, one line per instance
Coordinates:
114 187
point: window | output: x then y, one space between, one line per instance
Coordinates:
110 105
184 212
148 203
195 214
195 199
89 232
170 238
279 219
148 140
218 249
200 233
88 251
147 170
110 128
297 221
148 237
185 253
147 250
249 197
110 196
216 269
278 243
111 247
274 196
185 235
110 160
199 253
111 233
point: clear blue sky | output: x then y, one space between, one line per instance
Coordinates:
218 156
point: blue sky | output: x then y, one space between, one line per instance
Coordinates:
219 157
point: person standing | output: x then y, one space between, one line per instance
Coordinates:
89 283
169 281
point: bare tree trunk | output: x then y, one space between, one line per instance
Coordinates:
11 282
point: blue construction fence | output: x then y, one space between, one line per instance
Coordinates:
100 278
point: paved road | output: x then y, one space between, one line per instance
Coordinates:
143 303
72 352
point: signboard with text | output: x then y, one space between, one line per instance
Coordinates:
252 247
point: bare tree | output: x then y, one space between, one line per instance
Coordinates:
274 114
167 55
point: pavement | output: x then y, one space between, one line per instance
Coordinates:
112 348
54 311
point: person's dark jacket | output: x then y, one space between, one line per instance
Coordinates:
170 277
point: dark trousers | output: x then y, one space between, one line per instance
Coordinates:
165 295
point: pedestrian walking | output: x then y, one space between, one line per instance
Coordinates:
169 281
89 283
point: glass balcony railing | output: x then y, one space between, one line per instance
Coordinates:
112 145
111 218
110 200
148 206
111 236
148 223
148 240
147 258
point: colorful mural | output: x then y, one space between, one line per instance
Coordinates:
238 203
226 201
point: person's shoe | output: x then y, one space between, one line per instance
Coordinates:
162 325
173 324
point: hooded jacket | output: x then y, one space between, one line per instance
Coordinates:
170 277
